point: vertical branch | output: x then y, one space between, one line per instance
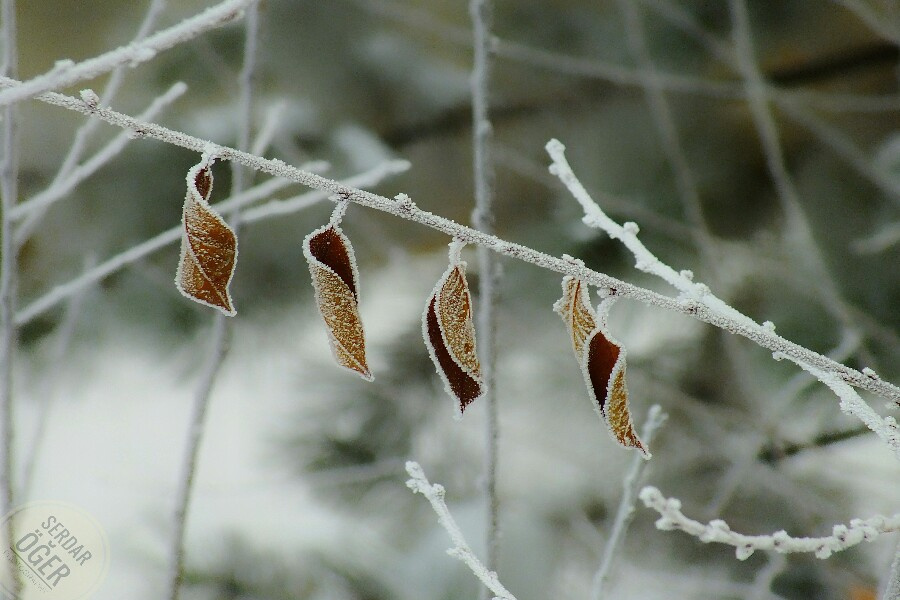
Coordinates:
9 190
483 219
195 437
630 485
221 331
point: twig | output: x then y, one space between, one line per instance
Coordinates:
9 174
222 327
633 479
842 537
434 493
67 73
488 274
420 20
403 207
877 22
218 348
851 403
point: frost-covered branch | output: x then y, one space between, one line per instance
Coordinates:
402 206
9 189
633 479
66 73
434 493
851 403
222 327
841 538
483 220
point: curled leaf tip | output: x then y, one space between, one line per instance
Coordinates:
449 334
602 361
335 278
208 246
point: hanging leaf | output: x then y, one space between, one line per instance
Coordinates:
208 245
335 278
601 358
450 334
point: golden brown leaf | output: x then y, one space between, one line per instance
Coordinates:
450 336
332 266
208 246
602 362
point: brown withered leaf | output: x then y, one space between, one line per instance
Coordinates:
208 246
449 335
602 362
335 278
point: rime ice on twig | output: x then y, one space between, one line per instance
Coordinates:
408 210
841 538
434 493
696 295
67 73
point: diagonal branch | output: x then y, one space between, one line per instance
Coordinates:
66 72
402 206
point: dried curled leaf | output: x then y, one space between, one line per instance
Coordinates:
450 336
335 278
208 246
602 361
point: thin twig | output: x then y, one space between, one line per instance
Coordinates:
488 274
219 348
434 493
403 207
222 327
630 484
851 403
9 174
67 73
841 538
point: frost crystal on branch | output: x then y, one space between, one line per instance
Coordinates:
419 484
841 538
208 245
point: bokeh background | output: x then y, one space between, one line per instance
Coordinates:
300 492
